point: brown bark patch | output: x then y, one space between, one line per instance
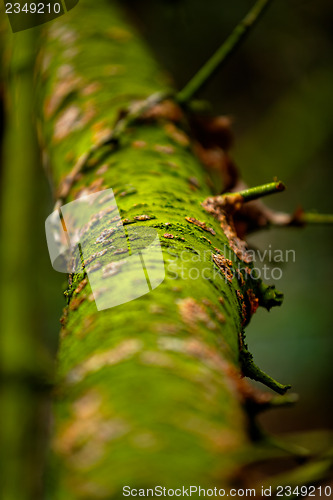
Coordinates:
200 224
192 313
224 265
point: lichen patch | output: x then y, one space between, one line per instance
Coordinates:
222 208
224 265
160 148
177 135
200 224
253 300
192 312
123 351
81 286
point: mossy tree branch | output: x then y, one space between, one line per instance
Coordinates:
149 392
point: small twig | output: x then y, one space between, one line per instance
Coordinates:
298 218
221 55
259 191
259 215
314 218
233 202
251 370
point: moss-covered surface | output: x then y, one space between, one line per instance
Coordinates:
148 392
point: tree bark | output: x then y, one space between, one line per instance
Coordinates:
149 392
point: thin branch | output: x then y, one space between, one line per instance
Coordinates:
260 191
298 218
314 218
222 54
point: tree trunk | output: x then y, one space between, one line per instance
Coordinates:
149 392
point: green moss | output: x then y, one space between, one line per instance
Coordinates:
185 398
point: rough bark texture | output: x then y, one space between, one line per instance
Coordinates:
149 392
